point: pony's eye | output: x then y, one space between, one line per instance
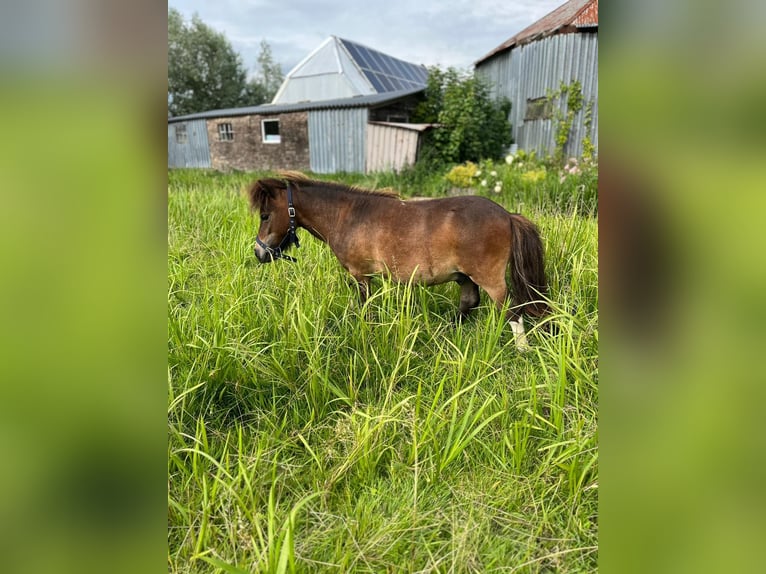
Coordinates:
264 216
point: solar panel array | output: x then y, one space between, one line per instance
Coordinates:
385 73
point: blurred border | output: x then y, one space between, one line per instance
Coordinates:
82 252
681 204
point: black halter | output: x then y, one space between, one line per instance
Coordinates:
290 238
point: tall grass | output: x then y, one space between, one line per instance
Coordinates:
308 434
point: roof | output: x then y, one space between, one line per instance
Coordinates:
411 127
340 68
371 101
384 72
572 16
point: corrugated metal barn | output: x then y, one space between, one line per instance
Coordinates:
560 47
187 144
325 137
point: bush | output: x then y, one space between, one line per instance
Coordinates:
472 125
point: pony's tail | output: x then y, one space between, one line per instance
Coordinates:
527 268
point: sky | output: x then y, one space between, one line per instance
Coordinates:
430 32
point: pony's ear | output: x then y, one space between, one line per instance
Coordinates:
254 194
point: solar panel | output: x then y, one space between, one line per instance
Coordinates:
374 81
387 82
407 69
398 84
400 69
385 72
354 52
388 62
378 59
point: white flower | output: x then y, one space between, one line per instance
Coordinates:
478 173
498 188
509 159
484 183
493 173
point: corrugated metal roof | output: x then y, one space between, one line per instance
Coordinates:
566 18
588 17
413 127
371 100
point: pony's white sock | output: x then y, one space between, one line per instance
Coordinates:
518 332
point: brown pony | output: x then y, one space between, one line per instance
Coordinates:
466 239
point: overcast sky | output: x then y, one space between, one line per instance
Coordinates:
431 32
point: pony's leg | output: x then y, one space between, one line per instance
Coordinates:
498 293
518 332
469 295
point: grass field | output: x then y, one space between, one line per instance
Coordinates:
307 435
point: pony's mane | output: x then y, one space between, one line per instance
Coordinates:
263 189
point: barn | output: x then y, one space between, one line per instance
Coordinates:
345 107
360 134
559 49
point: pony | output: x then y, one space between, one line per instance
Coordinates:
467 239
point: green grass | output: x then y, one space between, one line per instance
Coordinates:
308 435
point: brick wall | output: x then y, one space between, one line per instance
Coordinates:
249 152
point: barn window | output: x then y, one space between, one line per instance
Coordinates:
181 136
539 109
270 131
225 133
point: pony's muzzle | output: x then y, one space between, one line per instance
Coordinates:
262 255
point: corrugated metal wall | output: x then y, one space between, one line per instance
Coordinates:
195 152
527 72
337 140
390 147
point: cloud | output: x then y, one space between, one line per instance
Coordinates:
431 32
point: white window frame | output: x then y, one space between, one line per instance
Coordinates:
271 138
225 132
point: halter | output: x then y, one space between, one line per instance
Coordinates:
291 237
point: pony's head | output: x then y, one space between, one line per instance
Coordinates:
277 228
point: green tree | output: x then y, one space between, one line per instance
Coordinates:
270 75
204 71
473 126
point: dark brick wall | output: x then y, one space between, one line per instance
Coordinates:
248 151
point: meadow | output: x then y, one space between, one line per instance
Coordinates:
306 434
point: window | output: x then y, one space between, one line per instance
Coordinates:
225 133
270 131
181 136
539 109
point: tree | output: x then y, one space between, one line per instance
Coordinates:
473 126
264 85
270 77
204 71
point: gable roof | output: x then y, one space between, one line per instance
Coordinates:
572 16
341 68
